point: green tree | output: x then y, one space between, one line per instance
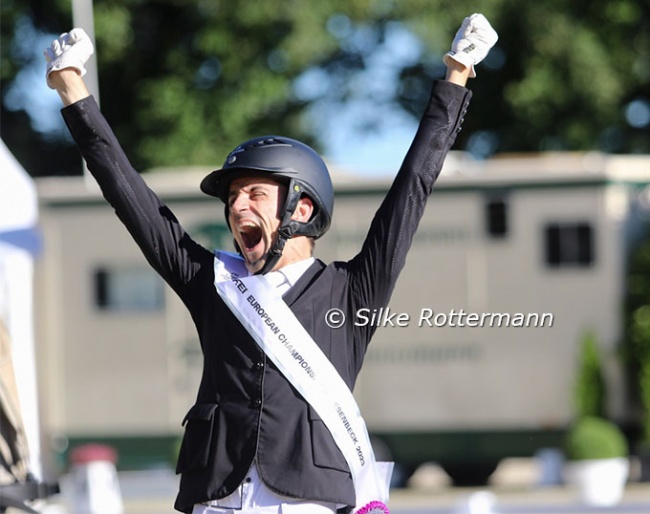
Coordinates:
636 345
183 82
590 383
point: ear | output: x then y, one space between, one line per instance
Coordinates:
304 210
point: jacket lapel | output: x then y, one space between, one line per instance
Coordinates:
292 295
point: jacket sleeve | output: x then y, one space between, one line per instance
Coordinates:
167 247
374 271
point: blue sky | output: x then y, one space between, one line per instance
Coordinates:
344 128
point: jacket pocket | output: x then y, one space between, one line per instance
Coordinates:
197 439
326 453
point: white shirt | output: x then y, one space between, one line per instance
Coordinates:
284 278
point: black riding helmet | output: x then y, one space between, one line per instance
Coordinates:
290 162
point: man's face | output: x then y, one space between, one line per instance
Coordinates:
254 205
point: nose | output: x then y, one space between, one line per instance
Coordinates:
239 202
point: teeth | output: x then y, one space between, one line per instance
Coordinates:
245 227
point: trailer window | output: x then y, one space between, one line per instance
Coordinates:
569 244
135 288
496 217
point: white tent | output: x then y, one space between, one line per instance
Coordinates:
19 243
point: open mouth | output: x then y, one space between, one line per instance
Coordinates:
251 236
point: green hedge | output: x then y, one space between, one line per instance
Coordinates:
595 438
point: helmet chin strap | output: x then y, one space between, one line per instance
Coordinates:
273 256
286 231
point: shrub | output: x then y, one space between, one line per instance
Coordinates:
590 384
592 437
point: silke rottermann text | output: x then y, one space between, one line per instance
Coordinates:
427 317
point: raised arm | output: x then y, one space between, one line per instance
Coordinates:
167 247
374 271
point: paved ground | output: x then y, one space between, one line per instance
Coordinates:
152 492
552 500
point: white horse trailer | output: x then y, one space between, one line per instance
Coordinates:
516 259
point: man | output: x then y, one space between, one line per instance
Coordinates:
274 427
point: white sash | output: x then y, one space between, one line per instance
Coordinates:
285 341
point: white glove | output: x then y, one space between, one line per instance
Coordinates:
69 50
472 43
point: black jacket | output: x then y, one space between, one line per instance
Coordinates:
245 408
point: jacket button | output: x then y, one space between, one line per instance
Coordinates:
256 403
258 366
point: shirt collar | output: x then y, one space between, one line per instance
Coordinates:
286 277
292 272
